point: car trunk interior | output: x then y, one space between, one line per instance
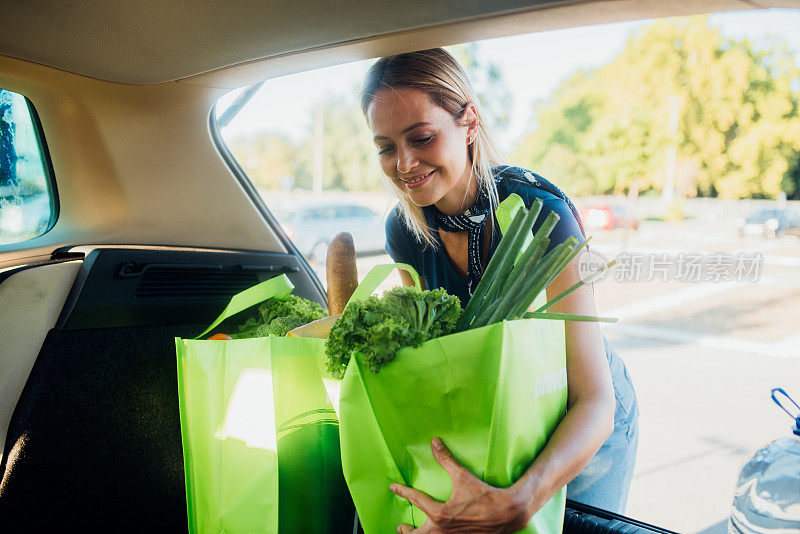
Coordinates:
96 433
158 228
95 438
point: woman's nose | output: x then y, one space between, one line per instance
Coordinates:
406 161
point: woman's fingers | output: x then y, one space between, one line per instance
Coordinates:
427 528
445 458
421 500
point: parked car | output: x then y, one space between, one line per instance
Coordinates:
771 222
605 216
312 226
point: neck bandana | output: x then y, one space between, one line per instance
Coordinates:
473 221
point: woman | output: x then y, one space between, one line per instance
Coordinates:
437 153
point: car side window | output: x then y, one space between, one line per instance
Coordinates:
28 206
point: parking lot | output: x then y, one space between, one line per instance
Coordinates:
703 354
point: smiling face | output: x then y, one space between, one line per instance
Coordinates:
422 149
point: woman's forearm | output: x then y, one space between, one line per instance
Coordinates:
577 438
590 414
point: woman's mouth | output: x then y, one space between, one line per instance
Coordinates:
418 181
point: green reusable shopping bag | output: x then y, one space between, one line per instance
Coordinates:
259 430
493 394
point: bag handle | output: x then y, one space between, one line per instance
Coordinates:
507 209
377 275
279 286
505 213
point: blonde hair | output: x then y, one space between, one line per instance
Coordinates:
438 74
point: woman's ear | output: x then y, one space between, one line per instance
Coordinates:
470 120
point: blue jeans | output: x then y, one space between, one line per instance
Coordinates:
605 482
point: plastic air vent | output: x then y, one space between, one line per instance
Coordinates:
173 282
124 287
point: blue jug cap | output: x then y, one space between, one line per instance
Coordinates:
775 391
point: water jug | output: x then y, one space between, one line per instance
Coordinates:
767 497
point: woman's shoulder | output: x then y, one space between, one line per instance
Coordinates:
527 184
402 244
395 225
530 186
397 229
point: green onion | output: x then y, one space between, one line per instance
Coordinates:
572 288
568 317
534 247
533 285
516 245
531 272
501 256
513 280
557 267
533 253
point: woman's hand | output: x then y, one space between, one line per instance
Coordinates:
474 506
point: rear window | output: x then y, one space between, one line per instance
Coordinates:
667 135
28 205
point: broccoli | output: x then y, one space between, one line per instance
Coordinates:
279 316
379 327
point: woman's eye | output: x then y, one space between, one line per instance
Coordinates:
384 150
423 140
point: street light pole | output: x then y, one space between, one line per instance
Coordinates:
318 152
672 151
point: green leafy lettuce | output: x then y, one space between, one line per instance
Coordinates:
379 327
278 316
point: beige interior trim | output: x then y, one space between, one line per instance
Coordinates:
158 42
30 303
548 17
134 164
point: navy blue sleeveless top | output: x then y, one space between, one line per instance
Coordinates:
434 265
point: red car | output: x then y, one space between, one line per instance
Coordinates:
607 217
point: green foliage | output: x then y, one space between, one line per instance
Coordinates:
350 161
738 131
273 161
278 316
379 327
791 180
675 210
268 158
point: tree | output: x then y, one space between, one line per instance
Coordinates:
350 157
8 152
739 129
556 147
487 81
268 158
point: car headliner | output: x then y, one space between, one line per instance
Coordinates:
154 42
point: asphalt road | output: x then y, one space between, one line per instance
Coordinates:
703 413
703 355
